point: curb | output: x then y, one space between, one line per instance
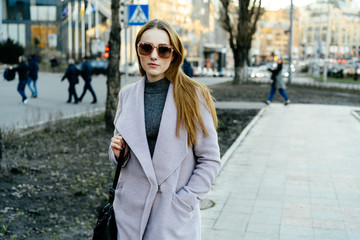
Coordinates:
41 125
240 138
356 114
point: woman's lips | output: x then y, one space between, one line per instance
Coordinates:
153 65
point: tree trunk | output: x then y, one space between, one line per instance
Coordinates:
113 72
241 67
241 74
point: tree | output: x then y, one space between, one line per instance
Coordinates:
239 19
113 71
10 51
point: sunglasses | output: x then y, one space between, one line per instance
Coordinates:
163 50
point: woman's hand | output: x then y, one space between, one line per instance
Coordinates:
117 143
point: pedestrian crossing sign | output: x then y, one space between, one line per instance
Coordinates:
138 14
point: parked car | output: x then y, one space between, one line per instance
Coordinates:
99 67
133 69
197 72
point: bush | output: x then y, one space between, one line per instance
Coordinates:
10 52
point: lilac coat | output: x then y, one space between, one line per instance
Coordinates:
159 198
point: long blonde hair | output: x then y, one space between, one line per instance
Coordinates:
186 90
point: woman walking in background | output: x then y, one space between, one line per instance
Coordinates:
277 84
167 124
33 75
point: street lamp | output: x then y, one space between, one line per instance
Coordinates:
326 62
290 40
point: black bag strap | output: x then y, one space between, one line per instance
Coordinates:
120 161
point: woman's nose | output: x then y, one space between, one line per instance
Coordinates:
154 54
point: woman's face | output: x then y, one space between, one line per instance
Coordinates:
155 66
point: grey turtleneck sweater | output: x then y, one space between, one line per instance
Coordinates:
154 102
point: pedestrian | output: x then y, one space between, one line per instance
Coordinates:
33 75
167 124
53 63
72 74
186 67
356 70
86 71
23 71
277 84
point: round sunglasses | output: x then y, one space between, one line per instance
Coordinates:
163 50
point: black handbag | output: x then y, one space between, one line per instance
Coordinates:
105 228
9 74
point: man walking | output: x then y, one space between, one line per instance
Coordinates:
86 75
72 74
23 71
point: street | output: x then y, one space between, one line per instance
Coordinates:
51 102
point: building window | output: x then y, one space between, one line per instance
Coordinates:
15 32
43 13
17 10
309 38
323 37
334 37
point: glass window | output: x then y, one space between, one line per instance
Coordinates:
17 10
43 13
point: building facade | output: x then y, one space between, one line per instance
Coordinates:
78 27
344 34
66 27
310 25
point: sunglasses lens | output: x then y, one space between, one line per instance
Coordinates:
145 49
164 51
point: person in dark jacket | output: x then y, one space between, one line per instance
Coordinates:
72 74
23 71
53 63
86 75
277 84
33 75
187 69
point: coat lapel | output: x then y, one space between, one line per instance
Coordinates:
169 150
131 125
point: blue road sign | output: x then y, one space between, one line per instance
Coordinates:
138 14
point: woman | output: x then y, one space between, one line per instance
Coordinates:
33 75
277 83
167 123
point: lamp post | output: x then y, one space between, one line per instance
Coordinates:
0 20
290 39
326 61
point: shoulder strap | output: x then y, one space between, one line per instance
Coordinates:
120 161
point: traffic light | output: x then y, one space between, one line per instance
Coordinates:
106 53
122 14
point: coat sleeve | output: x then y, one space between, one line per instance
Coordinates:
66 75
207 154
112 157
121 97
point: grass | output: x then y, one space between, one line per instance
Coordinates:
336 80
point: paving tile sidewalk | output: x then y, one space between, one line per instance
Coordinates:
296 175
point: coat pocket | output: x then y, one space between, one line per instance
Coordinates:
181 204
